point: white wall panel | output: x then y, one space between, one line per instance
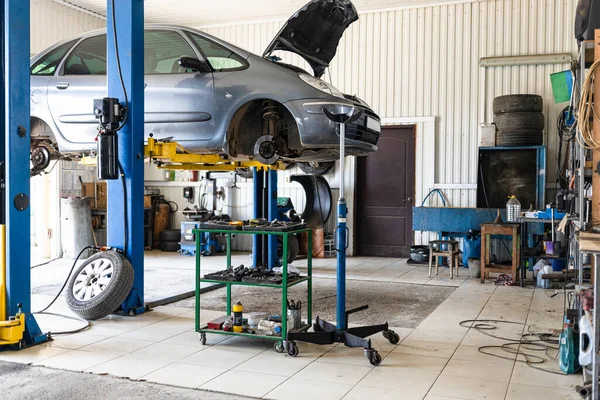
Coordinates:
52 22
424 61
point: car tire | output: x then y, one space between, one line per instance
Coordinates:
170 235
316 168
293 248
170 247
92 306
519 138
520 121
518 103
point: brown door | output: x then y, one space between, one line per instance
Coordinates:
385 192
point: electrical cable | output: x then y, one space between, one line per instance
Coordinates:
45 263
586 114
439 192
118 59
125 226
44 310
545 342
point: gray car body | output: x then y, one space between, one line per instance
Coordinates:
195 109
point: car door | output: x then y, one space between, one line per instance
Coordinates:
80 80
179 102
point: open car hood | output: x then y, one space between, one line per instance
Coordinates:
314 32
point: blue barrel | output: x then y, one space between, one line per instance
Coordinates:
471 248
558 264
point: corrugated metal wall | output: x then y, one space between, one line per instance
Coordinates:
424 61
51 22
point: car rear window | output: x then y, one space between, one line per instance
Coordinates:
50 61
162 51
88 58
219 57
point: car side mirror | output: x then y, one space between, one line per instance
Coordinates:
194 64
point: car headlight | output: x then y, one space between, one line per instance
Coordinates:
321 85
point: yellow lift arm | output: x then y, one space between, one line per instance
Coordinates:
173 156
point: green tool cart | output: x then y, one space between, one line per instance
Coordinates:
281 343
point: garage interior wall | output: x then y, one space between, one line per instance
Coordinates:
50 23
424 62
238 201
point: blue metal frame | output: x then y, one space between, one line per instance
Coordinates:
15 153
258 182
129 18
272 214
540 195
265 180
341 236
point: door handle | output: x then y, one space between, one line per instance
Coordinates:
62 85
145 85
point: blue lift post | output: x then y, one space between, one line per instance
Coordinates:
265 206
15 154
129 18
272 215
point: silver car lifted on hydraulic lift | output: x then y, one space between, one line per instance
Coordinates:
209 95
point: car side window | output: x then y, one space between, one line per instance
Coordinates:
48 63
162 51
219 57
88 58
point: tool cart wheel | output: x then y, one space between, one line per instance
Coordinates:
293 350
203 338
391 336
279 347
374 358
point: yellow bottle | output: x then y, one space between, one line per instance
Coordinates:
238 310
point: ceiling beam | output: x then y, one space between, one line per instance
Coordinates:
80 9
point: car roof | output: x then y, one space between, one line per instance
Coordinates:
238 50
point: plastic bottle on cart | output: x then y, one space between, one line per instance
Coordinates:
513 209
269 328
238 319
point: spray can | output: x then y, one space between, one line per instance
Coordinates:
238 322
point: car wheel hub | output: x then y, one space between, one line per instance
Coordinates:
265 151
93 279
40 158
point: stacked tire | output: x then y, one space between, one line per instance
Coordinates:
169 240
519 120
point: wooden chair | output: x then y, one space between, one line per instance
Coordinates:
451 253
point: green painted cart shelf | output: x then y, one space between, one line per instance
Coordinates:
281 341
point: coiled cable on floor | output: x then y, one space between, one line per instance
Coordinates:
44 310
529 341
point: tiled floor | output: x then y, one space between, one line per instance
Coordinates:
437 360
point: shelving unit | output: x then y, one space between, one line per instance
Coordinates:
529 228
281 341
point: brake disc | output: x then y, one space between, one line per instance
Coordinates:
40 158
265 150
